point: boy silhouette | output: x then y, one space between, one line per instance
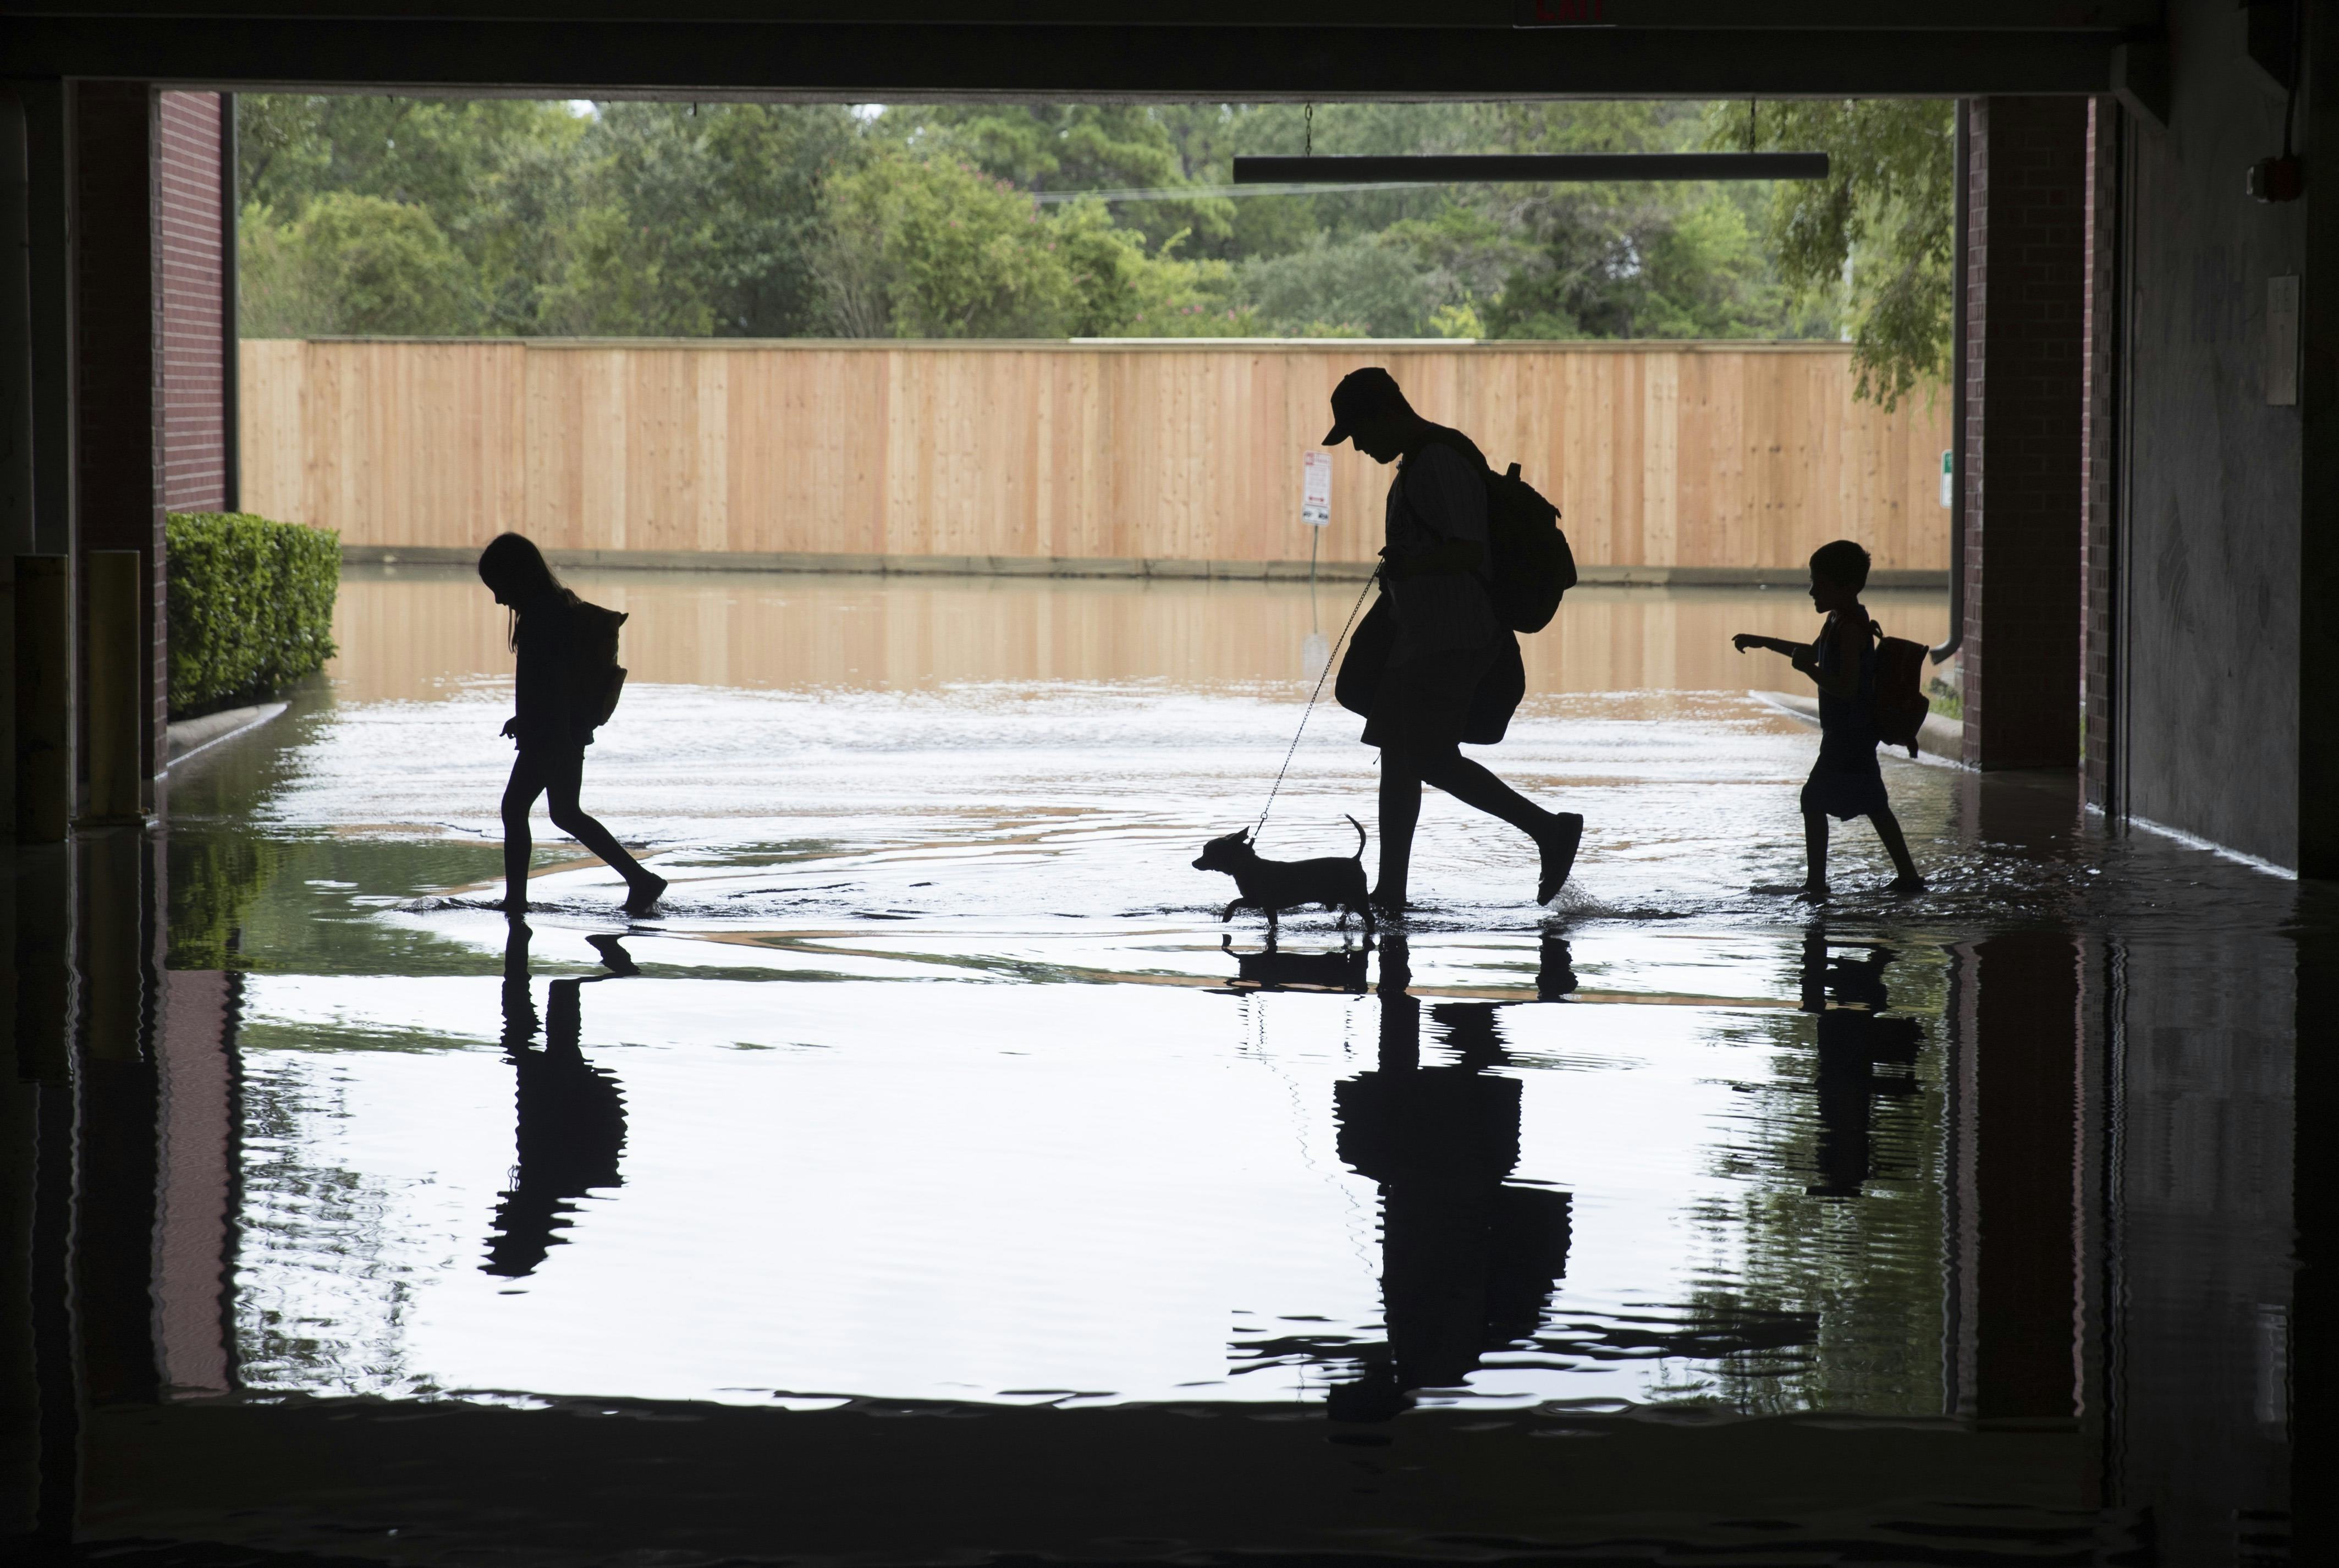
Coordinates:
1845 782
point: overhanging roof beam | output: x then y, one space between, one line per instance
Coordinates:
1605 14
1725 15
898 64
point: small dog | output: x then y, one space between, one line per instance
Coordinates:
1272 886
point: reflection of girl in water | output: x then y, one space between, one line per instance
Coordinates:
549 726
572 1115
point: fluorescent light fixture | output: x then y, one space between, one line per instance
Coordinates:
1525 168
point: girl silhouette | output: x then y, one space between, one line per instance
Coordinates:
550 728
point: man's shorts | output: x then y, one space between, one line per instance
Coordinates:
1424 701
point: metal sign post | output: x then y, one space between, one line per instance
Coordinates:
1314 503
1316 511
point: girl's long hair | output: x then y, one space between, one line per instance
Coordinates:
512 564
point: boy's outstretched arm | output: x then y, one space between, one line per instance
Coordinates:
1800 654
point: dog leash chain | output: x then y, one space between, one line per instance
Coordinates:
1322 678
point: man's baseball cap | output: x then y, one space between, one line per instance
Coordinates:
1369 393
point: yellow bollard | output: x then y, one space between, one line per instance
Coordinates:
43 699
117 771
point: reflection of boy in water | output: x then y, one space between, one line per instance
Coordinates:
1467 1260
571 1118
1853 1038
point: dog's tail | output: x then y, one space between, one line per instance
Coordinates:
1360 837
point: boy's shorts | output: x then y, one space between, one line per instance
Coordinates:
1845 793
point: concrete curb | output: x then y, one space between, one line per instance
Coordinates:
1940 738
874 565
189 737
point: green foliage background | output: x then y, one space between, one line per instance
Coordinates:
214 878
251 605
431 217
1877 232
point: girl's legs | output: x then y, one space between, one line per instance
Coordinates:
560 777
520 798
1896 844
1815 843
565 777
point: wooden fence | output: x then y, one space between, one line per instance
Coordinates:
1664 456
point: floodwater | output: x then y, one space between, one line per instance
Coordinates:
936 1178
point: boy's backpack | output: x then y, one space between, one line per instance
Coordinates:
596 678
1529 565
1901 703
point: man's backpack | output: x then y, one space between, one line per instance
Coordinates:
1532 566
1901 703
596 679
1529 565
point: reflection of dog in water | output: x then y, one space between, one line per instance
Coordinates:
1272 886
1348 970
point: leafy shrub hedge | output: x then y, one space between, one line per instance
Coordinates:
252 605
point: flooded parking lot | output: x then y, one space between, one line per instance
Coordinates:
936 1177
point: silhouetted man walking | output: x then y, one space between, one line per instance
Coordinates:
1449 640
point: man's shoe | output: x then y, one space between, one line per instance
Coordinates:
1559 854
645 894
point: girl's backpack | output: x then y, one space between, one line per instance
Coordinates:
1901 703
597 678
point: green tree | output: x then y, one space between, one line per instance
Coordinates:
1071 147
351 264
697 221
1883 215
1127 291
1622 268
495 176
775 220
944 251
1359 287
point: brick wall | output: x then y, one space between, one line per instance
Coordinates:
192 279
117 325
2025 367
2097 562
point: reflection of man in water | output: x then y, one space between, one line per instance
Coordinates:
572 1115
1467 1260
1852 1040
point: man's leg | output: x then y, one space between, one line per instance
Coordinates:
1557 834
1400 812
1474 786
